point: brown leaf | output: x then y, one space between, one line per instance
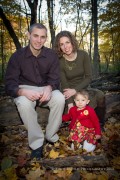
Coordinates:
21 159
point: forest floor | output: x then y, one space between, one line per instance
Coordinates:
59 162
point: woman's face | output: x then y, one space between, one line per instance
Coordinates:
65 45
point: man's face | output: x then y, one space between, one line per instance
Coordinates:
37 38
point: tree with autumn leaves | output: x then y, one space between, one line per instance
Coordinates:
97 32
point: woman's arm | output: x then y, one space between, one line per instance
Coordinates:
87 70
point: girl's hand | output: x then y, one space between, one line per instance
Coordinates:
70 105
98 136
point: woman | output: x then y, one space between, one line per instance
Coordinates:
76 73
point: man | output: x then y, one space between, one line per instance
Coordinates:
32 78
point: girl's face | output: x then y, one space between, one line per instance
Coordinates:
65 45
81 101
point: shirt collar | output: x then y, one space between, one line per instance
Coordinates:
29 53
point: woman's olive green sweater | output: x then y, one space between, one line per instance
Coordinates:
79 76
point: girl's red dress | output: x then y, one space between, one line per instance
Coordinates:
84 124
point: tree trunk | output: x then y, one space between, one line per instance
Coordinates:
76 162
91 32
50 4
96 53
33 7
10 29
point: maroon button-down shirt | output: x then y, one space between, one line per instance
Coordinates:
26 69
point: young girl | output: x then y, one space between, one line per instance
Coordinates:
84 126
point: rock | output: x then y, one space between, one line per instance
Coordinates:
112 104
10 115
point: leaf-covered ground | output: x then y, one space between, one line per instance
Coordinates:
15 153
16 163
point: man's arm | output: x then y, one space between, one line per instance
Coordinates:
54 73
12 77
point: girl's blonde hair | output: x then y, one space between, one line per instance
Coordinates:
82 92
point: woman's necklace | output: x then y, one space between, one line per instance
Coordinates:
70 64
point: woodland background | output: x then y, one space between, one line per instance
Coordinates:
96 25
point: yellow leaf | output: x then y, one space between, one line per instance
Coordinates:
116 162
23 171
53 154
62 140
57 144
90 176
62 151
69 170
10 173
103 176
62 155
33 175
64 173
4 138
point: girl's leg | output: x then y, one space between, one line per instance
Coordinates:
74 147
89 147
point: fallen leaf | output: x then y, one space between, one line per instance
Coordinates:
103 176
90 176
21 160
53 154
116 162
6 163
4 138
10 173
33 175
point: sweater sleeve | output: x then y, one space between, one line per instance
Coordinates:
69 116
64 81
86 70
95 121
66 117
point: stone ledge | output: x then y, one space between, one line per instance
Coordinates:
10 115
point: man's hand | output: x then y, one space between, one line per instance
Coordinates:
30 94
69 93
47 92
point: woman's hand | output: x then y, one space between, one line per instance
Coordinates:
69 93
